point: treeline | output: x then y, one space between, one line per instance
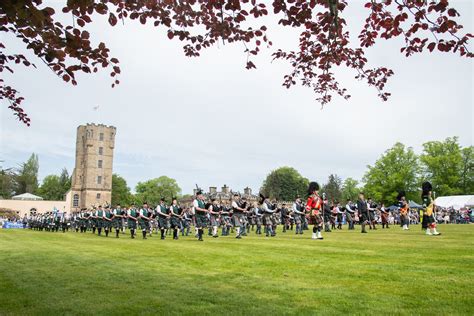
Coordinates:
446 164
24 179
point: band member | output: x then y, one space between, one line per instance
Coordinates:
99 217
258 218
340 215
200 214
326 214
132 216
314 207
163 216
350 212
144 219
225 219
384 213
187 219
298 215
214 212
429 222
238 212
333 216
176 216
268 211
371 207
403 208
363 212
284 217
107 220
117 219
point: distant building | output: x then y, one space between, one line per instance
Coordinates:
225 195
92 176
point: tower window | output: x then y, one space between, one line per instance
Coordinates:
99 164
101 136
99 180
101 150
98 196
75 200
111 136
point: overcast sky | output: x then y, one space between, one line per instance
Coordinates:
210 121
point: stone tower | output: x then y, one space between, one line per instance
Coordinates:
92 175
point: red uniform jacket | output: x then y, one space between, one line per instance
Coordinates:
314 204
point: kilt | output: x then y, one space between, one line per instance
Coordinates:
364 217
268 219
372 215
384 218
99 223
315 219
107 224
132 224
297 218
215 220
201 220
144 224
252 220
227 221
427 220
175 222
258 220
117 223
163 222
349 217
404 219
238 219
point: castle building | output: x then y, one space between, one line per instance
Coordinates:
92 176
225 195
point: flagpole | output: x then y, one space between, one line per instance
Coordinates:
96 108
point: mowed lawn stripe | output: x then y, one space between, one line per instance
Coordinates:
386 271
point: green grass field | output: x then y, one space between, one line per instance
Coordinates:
383 272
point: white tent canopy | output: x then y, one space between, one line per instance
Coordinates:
27 197
455 201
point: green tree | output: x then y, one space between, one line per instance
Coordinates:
27 179
397 169
284 184
65 180
442 165
333 188
467 170
51 188
152 190
7 183
350 190
120 191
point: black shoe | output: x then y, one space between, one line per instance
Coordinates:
238 237
200 239
363 232
215 236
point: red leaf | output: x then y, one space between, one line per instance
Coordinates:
112 19
170 34
66 78
432 46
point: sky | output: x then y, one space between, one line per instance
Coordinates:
209 121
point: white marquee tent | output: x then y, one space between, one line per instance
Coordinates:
455 201
27 197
